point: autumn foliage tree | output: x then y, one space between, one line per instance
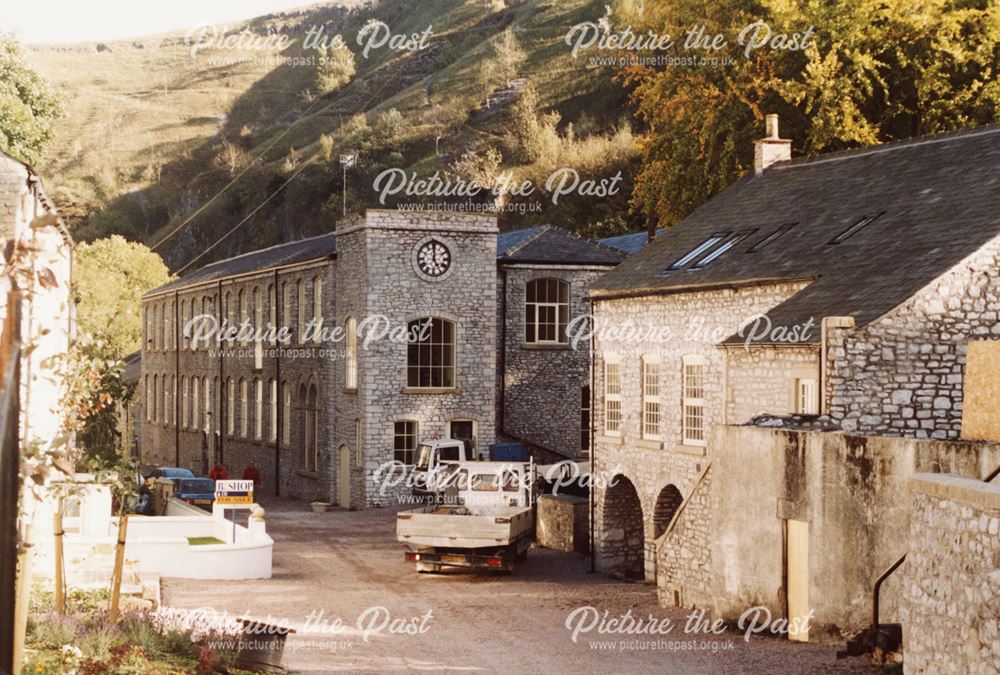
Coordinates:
874 71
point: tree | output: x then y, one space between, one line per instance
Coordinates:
28 105
873 71
507 58
334 68
110 277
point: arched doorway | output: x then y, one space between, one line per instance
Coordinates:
344 478
622 546
667 503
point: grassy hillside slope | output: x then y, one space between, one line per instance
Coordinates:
158 143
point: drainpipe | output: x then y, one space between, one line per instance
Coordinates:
278 391
593 434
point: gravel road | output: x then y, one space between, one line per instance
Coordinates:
341 581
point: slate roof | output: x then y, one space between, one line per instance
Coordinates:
629 243
939 200
303 250
550 245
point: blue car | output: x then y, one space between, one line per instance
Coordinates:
172 473
197 491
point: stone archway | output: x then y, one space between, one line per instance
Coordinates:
622 545
667 502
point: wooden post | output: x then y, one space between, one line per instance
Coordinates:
23 598
60 571
116 577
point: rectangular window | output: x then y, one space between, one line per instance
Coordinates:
585 418
244 409
722 249
430 355
612 399
855 228
317 307
807 396
404 441
771 237
546 306
693 406
258 409
273 425
650 399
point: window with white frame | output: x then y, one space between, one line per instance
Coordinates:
230 407
546 309
693 405
258 321
286 414
651 416
185 402
351 357
807 396
612 398
207 412
404 441
195 384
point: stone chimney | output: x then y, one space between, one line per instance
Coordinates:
771 148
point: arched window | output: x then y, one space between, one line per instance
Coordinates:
185 317
286 414
156 395
430 355
241 307
194 311
156 327
546 311
300 294
351 357
168 399
207 421
272 313
286 306
258 323
310 426
149 400
317 312
230 317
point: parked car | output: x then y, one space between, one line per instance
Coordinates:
172 473
197 491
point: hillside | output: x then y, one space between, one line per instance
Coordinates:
157 141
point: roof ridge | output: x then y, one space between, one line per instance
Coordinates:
262 250
889 146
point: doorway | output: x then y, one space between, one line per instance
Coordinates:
344 476
797 578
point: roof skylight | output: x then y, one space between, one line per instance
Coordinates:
855 228
722 248
771 237
698 251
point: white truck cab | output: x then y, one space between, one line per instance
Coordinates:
436 461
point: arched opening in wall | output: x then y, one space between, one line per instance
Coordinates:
622 529
667 504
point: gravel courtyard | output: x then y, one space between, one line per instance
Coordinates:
347 567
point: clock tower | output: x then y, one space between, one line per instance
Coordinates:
426 274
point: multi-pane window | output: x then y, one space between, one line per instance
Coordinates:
185 402
650 398
404 441
612 398
585 418
195 383
317 284
207 412
258 323
806 396
151 401
546 310
430 357
300 293
351 357
693 406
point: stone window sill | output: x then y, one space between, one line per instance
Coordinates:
694 450
649 443
307 474
611 440
545 346
350 390
430 390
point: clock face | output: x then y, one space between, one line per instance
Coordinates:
433 258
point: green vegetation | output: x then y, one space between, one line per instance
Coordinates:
28 105
155 139
873 72
203 541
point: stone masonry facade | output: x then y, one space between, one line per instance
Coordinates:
668 329
903 373
952 575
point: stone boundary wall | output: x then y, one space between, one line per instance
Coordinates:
951 615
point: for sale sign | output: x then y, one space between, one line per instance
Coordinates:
234 492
